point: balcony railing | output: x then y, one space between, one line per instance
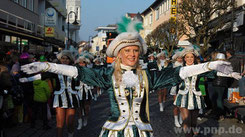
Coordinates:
10 20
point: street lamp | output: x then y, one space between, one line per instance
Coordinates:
68 27
90 39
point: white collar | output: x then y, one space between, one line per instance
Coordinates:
126 67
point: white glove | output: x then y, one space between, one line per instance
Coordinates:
192 70
33 78
35 67
221 66
236 75
23 80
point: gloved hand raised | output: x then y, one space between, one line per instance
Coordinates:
35 67
62 69
220 66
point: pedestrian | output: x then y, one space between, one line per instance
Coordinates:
236 65
5 86
41 95
126 83
219 88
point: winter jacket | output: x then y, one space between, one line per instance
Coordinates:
41 91
220 81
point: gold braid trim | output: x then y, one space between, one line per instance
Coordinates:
208 66
45 70
124 41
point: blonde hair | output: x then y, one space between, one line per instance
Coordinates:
118 71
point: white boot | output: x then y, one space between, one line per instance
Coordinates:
70 134
85 121
161 107
176 121
80 124
180 120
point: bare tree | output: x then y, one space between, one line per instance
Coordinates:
195 17
164 36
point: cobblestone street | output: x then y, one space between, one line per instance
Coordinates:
162 123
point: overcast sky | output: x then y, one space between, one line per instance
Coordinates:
95 13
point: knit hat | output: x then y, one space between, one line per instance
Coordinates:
129 36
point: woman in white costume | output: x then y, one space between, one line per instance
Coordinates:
127 83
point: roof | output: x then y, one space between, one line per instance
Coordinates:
105 28
132 15
153 5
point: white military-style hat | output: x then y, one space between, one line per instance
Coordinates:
83 58
129 36
66 53
176 55
152 54
190 49
163 53
126 39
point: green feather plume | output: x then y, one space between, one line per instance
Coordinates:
127 25
122 26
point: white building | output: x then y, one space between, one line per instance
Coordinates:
99 41
73 13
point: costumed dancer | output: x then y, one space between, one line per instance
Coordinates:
189 98
65 95
177 62
152 67
126 83
97 64
85 96
162 63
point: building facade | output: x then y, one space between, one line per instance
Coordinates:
99 41
22 23
157 13
74 16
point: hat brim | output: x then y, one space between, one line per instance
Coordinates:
124 40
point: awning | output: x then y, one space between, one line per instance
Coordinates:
21 34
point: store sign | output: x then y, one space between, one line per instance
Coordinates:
173 9
173 12
50 17
49 31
